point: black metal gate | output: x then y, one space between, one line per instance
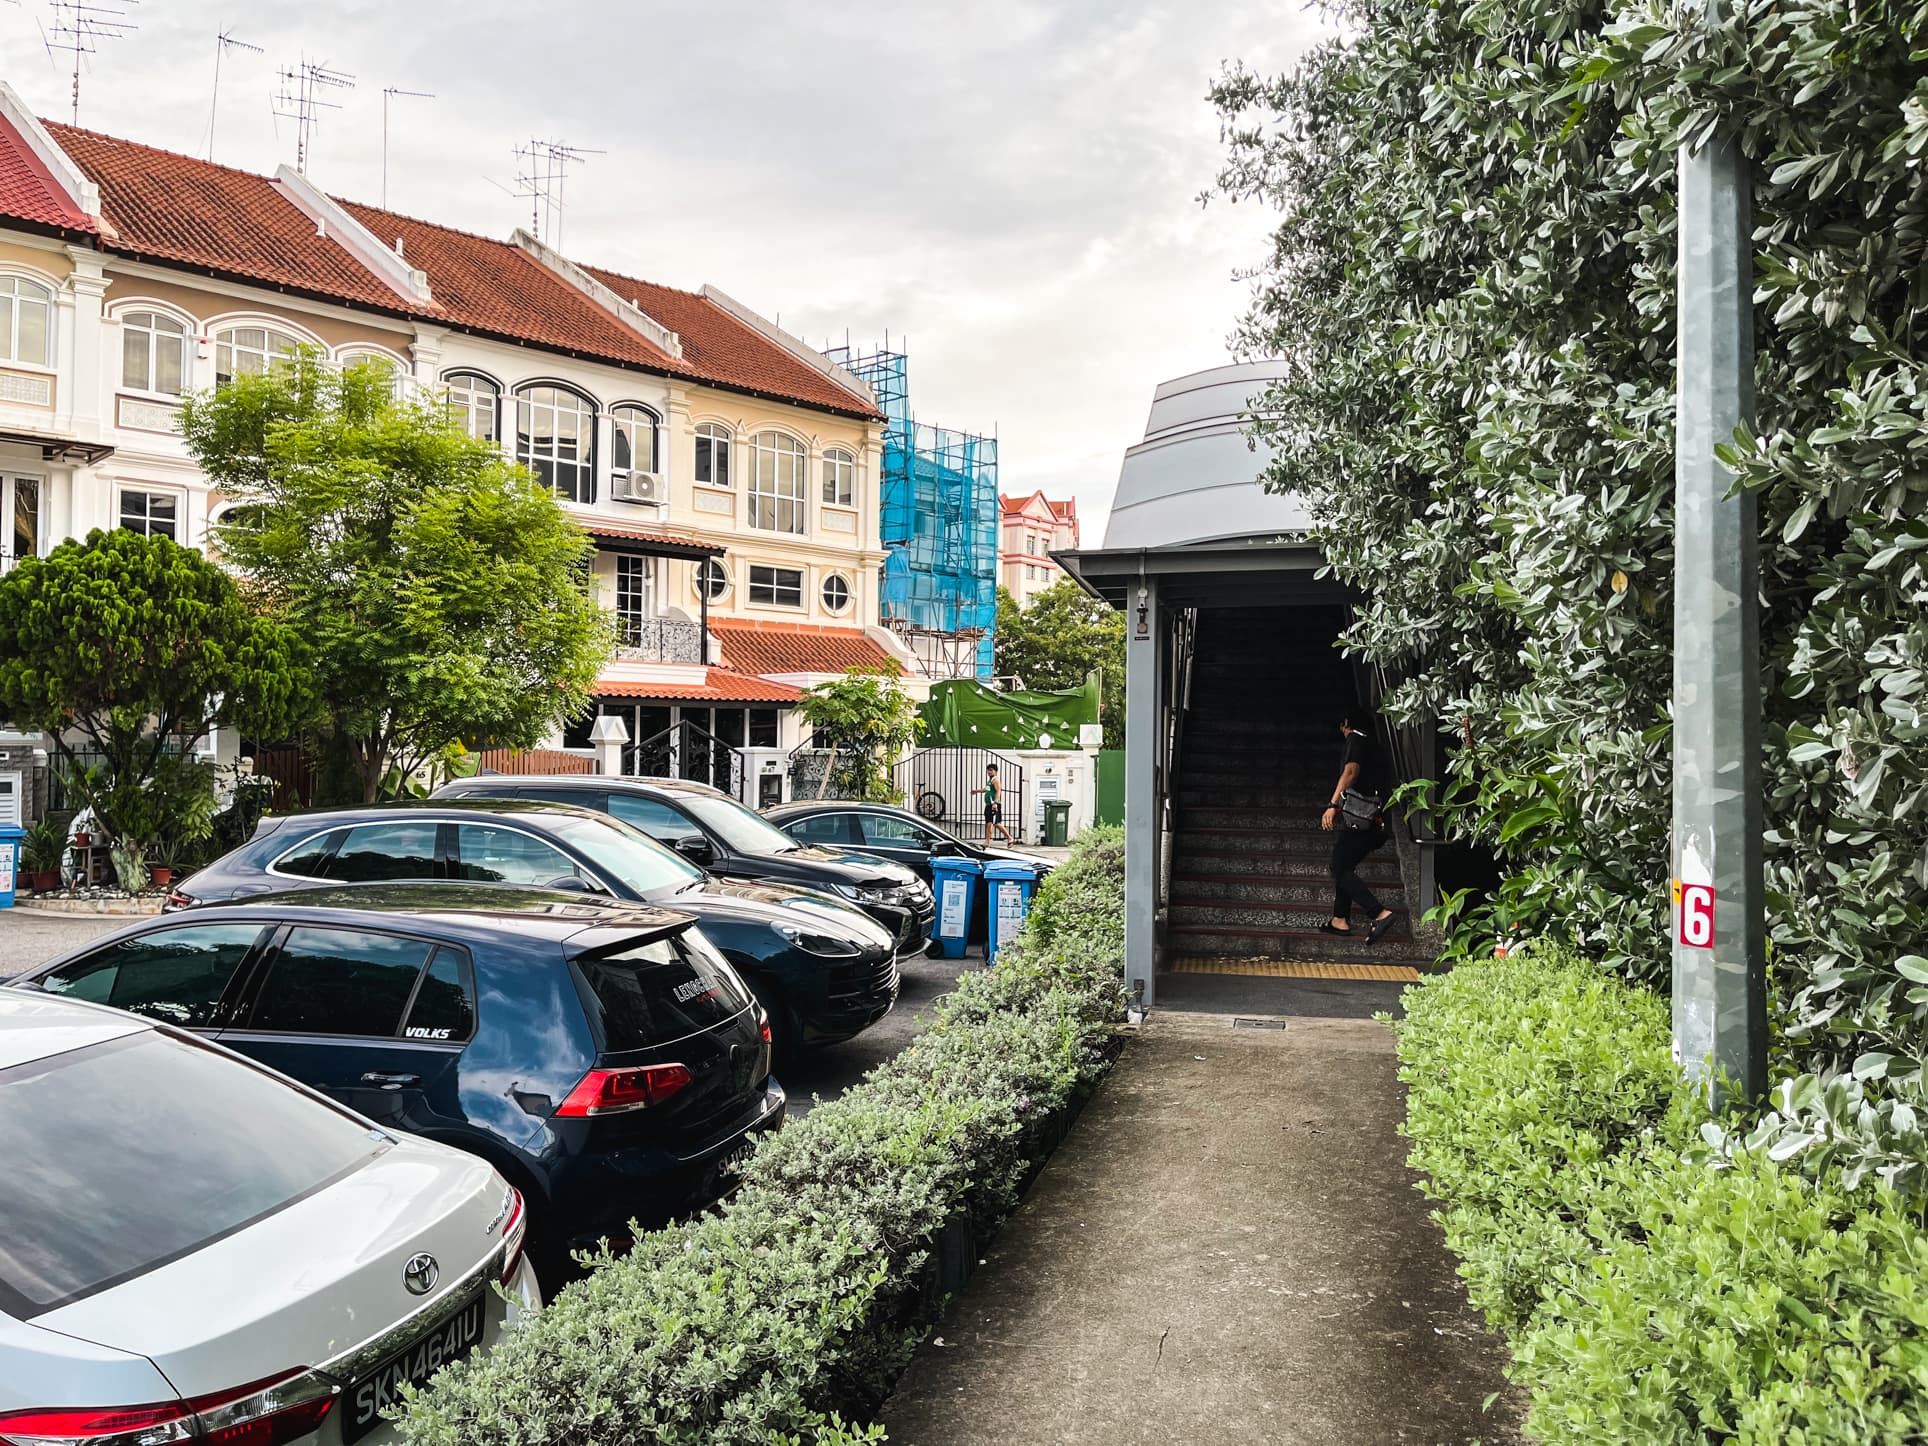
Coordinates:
947 786
687 750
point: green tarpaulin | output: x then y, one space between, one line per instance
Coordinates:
966 714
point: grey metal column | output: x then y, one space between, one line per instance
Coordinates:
1719 983
1144 734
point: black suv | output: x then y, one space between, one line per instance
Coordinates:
712 829
823 968
604 1057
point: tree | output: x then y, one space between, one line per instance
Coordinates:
142 648
1059 640
445 593
866 721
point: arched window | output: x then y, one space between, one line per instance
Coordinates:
396 373
241 350
712 578
777 467
839 478
475 405
632 439
153 352
26 321
555 438
713 454
836 593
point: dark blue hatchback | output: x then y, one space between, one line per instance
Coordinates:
603 1056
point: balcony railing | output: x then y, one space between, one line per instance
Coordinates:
659 640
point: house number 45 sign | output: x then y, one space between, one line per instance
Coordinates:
1694 908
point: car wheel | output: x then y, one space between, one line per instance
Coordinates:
786 1035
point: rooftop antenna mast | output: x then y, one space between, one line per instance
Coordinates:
541 169
79 27
222 44
389 92
305 89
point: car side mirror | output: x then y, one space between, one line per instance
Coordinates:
695 848
944 849
570 884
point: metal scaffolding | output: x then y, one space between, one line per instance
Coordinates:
939 523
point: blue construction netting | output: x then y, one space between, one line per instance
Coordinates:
939 522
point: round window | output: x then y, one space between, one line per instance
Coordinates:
836 593
712 578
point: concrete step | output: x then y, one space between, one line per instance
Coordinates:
1235 892
1304 844
1379 867
1256 791
1267 918
1254 819
1232 942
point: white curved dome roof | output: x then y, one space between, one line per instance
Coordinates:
1194 478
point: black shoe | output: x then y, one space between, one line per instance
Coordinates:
1378 927
1328 927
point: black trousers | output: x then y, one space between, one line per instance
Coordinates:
1349 846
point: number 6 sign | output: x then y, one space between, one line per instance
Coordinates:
1697 915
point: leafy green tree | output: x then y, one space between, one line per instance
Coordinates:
867 722
136 649
1059 639
445 594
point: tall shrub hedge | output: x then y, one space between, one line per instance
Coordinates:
803 1295
1650 1294
1472 282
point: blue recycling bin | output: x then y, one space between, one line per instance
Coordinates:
10 836
1010 886
954 881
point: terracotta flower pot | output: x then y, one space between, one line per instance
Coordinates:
161 875
44 881
83 839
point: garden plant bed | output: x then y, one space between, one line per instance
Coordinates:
790 1310
95 902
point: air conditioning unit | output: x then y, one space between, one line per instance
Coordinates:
638 487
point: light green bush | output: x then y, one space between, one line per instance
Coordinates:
1652 1290
806 1292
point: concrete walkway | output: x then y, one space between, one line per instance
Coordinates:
1227 1249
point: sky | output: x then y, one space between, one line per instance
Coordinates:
1008 189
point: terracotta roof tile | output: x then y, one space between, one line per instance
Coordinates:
755 646
723 686
603 530
28 189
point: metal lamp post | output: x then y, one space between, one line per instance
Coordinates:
1719 964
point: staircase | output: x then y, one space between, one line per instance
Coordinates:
1250 864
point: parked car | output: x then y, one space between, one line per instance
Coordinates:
896 834
821 967
710 828
602 1056
197 1249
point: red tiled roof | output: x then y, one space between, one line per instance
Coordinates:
28 189
181 211
756 646
718 347
659 539
723 686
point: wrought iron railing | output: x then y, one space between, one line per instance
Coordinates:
687 751
659 640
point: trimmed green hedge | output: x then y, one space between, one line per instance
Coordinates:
806 1292
1652 1289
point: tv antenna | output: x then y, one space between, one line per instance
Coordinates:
79 27
304 93
389 92
541 169
223 43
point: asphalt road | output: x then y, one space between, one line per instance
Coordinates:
28 938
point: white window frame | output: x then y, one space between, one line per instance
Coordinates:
126 490
398 369
224 341
704 566
778 489
9 499
774 600
714 444
849 594
635 595
628 422
465 390
588 414
15 291
150 322
839 477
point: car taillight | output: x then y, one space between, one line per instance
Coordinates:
177 900
763 1028
515 1231
273 1412
612 1091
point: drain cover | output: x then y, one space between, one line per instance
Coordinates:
1242 1023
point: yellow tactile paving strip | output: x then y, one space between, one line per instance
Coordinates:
1299 969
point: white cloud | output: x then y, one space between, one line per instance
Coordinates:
1010 184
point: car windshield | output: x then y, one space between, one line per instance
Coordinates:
123 1156
614 847
743 830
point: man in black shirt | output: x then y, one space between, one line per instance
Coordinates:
1358 773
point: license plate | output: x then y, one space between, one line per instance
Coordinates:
733 1164
380 1390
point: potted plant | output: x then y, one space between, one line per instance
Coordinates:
41 851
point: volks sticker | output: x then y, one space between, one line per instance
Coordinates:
417 1032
